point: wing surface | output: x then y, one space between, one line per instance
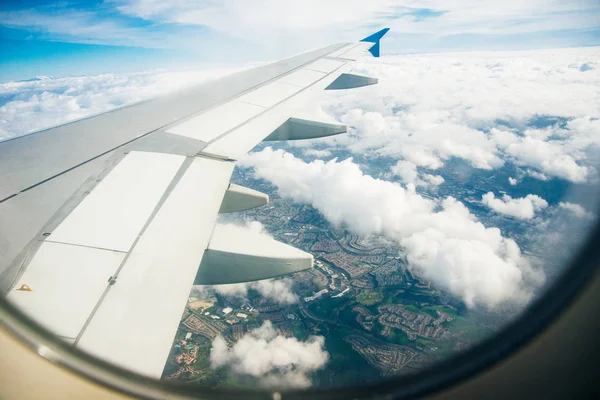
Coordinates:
108 221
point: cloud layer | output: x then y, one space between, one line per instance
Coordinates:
278 361
42 102
444 242
310 19
536 109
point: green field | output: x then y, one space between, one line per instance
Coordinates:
369 297
398 336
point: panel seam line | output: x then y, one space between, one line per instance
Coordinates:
176 178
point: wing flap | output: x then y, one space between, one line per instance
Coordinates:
64 283
300 129
239 198
351 81
239 255
136 321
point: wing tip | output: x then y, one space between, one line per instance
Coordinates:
375 38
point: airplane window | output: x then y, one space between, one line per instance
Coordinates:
440 204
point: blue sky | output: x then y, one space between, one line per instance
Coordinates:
92 36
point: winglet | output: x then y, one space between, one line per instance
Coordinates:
375 38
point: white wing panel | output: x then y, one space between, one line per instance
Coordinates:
135 324
113 214
344 49
217 121
270 94
66 282
303 77
325 65
241 140
358 51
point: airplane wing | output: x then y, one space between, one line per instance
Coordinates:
108 221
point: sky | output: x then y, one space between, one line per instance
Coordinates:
84 37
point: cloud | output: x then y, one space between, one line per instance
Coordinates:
527 108
521 208
444 242
327 17
550 157
304 25
576 209
407 171
317 153
106 26
42 102
512 181
279 290
276 289
278 361
423 139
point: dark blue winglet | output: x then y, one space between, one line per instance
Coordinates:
375 38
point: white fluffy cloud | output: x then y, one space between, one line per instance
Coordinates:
327 17
317 153
279 290
576 209
521 208
480 107
512 181
278 361
407 171
43 102
561 157
444 242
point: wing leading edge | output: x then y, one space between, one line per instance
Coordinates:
112 240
